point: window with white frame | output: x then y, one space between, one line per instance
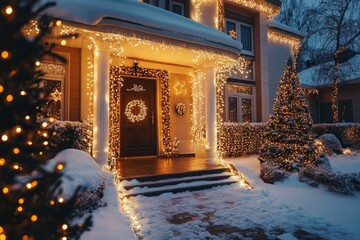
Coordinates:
54 88
243 33
240 102
178 8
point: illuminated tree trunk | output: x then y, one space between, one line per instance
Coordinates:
334 98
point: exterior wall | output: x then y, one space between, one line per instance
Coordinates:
345 93
72 84
278 55
180 92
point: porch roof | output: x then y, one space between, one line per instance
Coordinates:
144 19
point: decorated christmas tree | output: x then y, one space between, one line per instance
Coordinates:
31 201
289 143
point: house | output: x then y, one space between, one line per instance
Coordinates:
146 72
320 93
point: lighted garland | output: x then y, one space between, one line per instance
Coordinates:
116 73
130 107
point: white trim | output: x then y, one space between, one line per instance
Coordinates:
180 5
238 35
239 97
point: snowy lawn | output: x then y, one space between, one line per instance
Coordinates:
282 210
339 210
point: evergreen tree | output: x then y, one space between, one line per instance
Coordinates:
289 142
31 205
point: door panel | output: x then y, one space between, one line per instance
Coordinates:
138 123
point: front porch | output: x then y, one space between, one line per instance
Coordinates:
148 166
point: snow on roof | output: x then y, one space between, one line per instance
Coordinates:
285 29
140 16
308 76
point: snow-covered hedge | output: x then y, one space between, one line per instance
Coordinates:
270 173
237 139
82 171
330 144
347 133
70 134
347 183
241 138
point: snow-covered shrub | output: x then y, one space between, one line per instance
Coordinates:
323 161
71 134
239 139
270 173
346 183
347 133
80 170
331 144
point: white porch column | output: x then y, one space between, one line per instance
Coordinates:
210 110
101 103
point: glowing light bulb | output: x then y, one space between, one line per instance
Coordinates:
58 23
60 167
33 218
1 88
9 98
21 201
9 10
16 150
4 138
4 54
22 93
63 42
27 117
61 200
2 161
5 190
19 209
44 124
37 63
64 227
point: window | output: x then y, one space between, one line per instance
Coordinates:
240 102
242 32
346 110
178 8
53 87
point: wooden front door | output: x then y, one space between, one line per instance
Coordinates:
138 117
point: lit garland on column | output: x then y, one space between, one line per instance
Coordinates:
116 73
220 15
198 112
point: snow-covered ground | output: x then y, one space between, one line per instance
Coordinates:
276 210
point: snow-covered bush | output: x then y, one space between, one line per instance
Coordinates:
346 183
270 173
347 133
80 170
71 134
331 144
239 139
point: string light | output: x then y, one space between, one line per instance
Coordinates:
19 209
63 42
64 227
1 88
58 23
2 161
5 190
60 167
16 150
52 202
8 10
61 200
27 117
37 63
4 54
21 201
4 138
9 98
22 93
33 218
261 6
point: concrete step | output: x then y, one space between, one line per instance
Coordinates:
174 181
177 182
152 178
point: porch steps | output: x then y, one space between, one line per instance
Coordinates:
177 182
